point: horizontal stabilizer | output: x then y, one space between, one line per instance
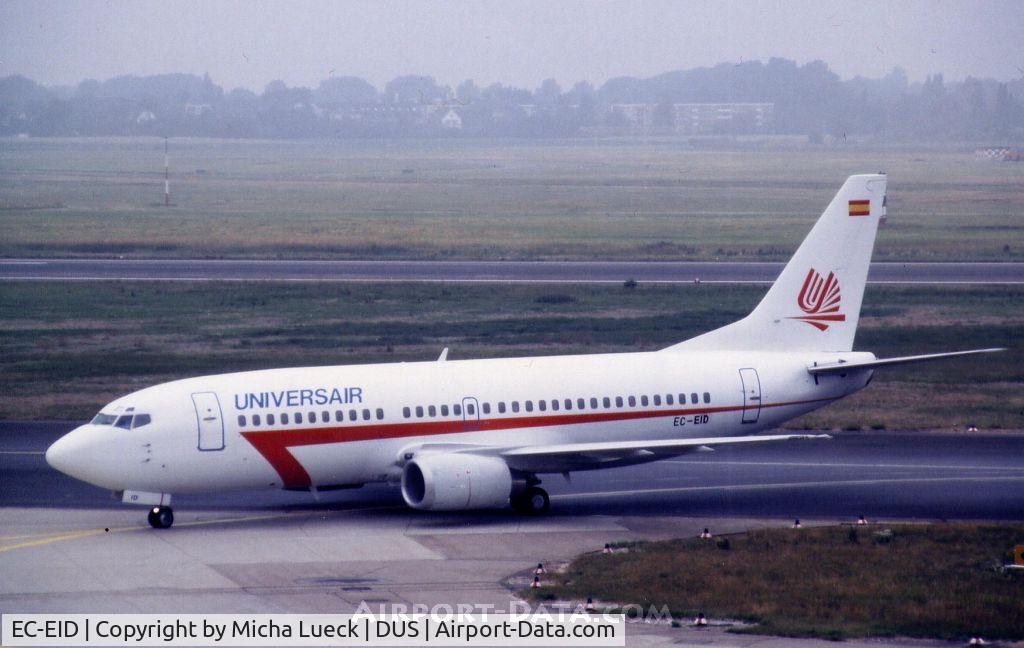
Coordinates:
843 367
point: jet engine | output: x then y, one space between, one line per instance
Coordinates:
454 482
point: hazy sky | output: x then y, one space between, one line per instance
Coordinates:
510 41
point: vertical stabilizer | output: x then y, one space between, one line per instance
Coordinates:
814 305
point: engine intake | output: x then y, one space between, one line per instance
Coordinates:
456 482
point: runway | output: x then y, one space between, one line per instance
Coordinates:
478 271
66 547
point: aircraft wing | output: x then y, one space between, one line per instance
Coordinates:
843 367
583 456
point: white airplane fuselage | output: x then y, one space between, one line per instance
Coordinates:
212 433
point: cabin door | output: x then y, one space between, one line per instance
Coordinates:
751 395
209 421
471 413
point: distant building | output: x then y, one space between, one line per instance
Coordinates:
197 110
451 120
700 118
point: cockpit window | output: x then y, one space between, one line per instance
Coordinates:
124 422
103 419
140 420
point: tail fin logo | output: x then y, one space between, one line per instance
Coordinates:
819 300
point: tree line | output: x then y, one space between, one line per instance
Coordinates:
787 98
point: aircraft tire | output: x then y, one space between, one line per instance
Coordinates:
533 501
161 517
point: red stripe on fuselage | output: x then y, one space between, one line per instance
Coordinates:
274 444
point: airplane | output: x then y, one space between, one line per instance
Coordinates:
478 434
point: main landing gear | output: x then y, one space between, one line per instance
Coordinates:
161 517
532 501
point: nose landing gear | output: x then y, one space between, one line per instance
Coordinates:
161 517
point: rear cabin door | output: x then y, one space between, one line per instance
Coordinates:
751 395
209 421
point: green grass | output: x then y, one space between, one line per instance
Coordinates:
68 348
654 199
938 581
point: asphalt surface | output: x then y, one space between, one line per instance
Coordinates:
906 476
478 271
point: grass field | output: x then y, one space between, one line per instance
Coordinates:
569 199
68 348
938 581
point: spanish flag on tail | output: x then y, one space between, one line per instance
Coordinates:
860 208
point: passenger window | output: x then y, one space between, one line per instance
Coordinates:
431 410
366 415
707 398
682 399
470 409
643 401
444 410
380 414
593 403
140 420
618 401
501 407
352 415
457 409
554 405
487 408
419 411
607 402
668 399
657 399
542 405
255 419
529 406
270 419
693 398
405 412
632 401
284 418
298 417
241 421
339 416
568 403
515 406
581 404
325 416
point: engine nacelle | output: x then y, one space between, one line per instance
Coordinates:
454 482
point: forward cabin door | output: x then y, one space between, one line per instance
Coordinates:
751 395
209 421
471 413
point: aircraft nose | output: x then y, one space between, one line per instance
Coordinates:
61 452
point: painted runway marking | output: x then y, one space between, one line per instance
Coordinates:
415 280
22 452
785 485
62 536
811 464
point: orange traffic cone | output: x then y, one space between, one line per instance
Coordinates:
536 582
705 534
540 569
862 520
607 548
701 620
589 607
796 524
